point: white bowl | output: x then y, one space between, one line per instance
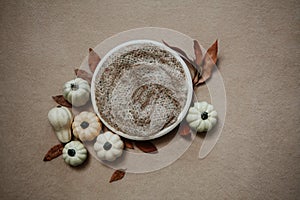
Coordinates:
188 84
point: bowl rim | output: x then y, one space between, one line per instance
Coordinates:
188 83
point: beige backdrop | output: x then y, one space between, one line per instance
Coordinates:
258 154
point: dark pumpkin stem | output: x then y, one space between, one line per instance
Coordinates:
74 86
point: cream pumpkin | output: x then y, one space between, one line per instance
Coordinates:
77 92
108 146
74 153
61 119
202 116
86 126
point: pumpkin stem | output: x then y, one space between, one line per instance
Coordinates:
74 86
84 124
204 115
107 146
71 152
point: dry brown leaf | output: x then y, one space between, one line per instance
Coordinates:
84 75
93 59
184 129
195 69
196 79
198 53
61 101
128 144
213 51
191 68
117 175
54 152
180 51
104 128
210 60
200 73
198 61
146 146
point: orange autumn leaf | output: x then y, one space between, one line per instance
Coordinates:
117 175
198 53
210 60
202 66
104 128
61 101
84 75
93 59
128 144
146 146
184 129
198 62
193 67
178 50
54 152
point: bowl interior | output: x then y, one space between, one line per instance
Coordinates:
188 83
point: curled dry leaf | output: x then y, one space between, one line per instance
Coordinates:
128 144
198 53
61 101
104 128
191 64
84 75
184 129
146 146
201 68
54 152
93 59
117 175
198 61
192 69
178 50
210 61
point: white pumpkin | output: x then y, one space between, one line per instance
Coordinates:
61 119
77 92
86 126
202 117
74 153
108 146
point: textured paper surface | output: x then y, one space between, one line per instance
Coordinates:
258 154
